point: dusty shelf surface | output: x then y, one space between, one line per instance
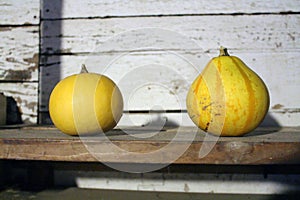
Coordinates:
181 145
91 194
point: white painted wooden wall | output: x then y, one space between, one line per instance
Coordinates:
19 54
152 49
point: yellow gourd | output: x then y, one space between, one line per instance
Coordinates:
85 103
227 98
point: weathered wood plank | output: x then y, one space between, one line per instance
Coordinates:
19 12
160 80
257 33
263 146
134 192
265 42
25 95
274 118
93 8
134 189
19 53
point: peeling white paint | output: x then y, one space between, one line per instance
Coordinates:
186 182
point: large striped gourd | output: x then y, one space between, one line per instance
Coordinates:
85 103
227 98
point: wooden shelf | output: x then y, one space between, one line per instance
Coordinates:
179 145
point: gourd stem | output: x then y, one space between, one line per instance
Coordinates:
83 69
223 51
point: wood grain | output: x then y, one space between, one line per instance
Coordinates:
19 53
254 33
181 45
19 12
26 97
263 33
274 118
117 37
263 146
125 8
160 80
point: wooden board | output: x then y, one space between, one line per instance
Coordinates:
178 48
174 74
19 12
26 97
160 80
274 118
75 193
263 33
19 56
125 8
249 33
19 53
263 146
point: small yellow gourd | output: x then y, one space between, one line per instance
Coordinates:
227 98
85 103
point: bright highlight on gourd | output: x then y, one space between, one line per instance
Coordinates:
227 98
85 103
